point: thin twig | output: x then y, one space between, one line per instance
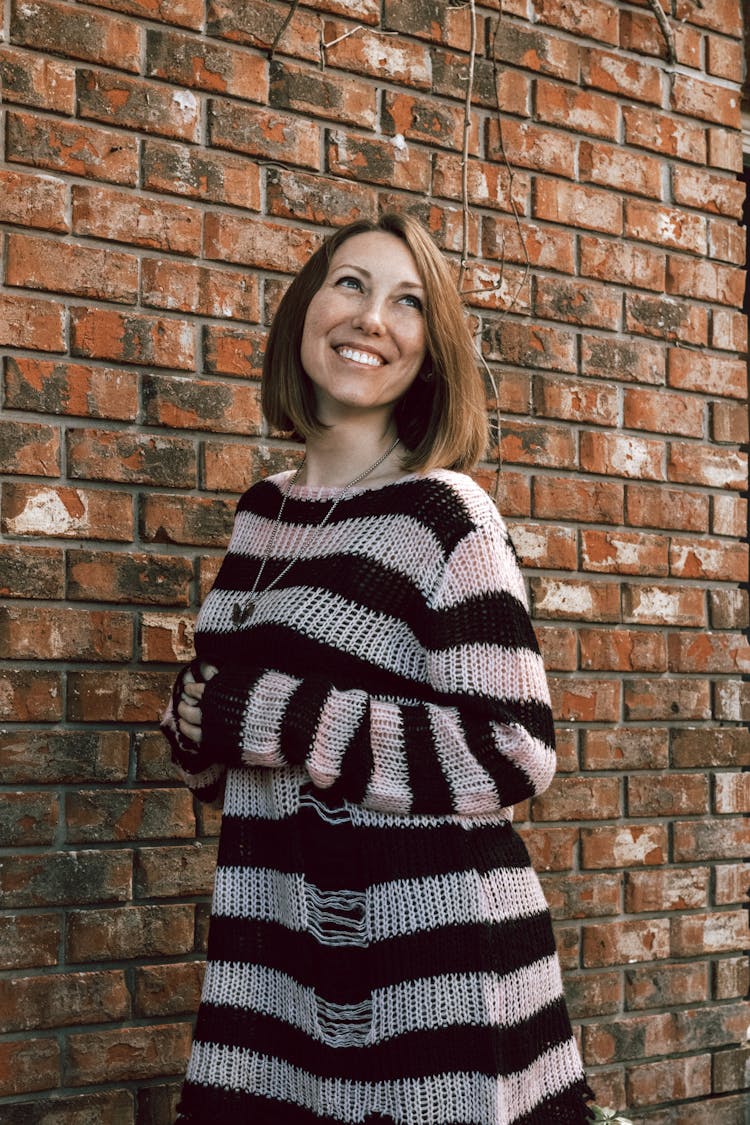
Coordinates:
292 9
333 42
666 30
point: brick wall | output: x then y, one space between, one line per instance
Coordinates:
160 178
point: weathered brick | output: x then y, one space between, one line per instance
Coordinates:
610 71
660 132
127 1053
675 794
31 572
31 79
730 423
576 205
711 652
716 375
729 330
622 455
711 839
551 849
201 405
30 696
203 64
123 814
718 932
622 262
540 545
708 191
66 878
622 650
731 976
33 201
585 700
231 466
374 53
593 994
662 412
618 943
488 184
61 999
529 145
709 558
624 552
666 226
127 932
255 243
577 302
707 465
725 149
532 345
579 798
72 147
621 748
535 49
666 318
70 513
119 217
164 872
129 577
669 1080
59 387
730 879
393 163
666 508
512 241
271 135
666 699
732 701
728 515
233 351
63 757
317 93
183 13
116 1107
703 280
46 263
131 457
624 845
582 896
729 609
197 174
167 638
168 990
532 443
567 498
44 633
29 448
730 1069
133 103
713 747
257 23
666 985
189 520
27 819
28 1065
27 322
437 21
78 33
558 648
127 696
705 100
575 600
30 940
731 793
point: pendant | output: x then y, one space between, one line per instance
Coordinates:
242 613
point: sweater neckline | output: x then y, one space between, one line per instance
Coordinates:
324 492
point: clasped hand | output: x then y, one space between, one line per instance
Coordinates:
189 708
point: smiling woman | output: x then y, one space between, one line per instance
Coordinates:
369 701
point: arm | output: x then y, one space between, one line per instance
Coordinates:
181 726
485 742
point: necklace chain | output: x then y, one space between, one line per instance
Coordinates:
241 613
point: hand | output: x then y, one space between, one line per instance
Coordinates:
189 711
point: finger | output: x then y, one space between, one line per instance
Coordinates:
194 690
208 671
187 730
189 713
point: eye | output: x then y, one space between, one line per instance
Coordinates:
412 301
348 281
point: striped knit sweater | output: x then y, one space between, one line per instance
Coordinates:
380 948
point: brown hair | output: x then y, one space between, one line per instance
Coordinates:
441 419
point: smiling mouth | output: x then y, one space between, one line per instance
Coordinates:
357 356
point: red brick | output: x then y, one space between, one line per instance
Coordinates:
127 932
125 456
489 185
663 413
711 839
133 103
542 545
729 609
558 648
33 201
233 351
547 247
30 696
609 552
116 1107
200 63
29 940
271 135
438 22
582 896
717 375
622 263
616 74
579 798
577 302
622 650
27 322
27 819
255 243
80 34
143 579
534 49
621 455
666 985
168 990
198 174
730 1068
729 516
167 638
127 1053
633 360
74 148
153 762
584 700
574 399
623 749
719 932
29 1064
393 163
731 977
576 205
705 100
624 846
676 794
533 443
662 133
529 145
61 999
30 447
317 93
666 699
669 1080
374 53
491 85
530 345
731 793
568 599
707 191
186 869
132 338
257 24
295 195
576 109
59 387
707 465
550 849
188 520
496 287
201 405
729 330
666 318
709 558
705 281
183 13
565 498
84 271
71 513
63 756
724 16
730 879
44 633
66 878
232 466
126 696
596 20
513 490
593 994
725 149
31 79
120 217
123 814
666 508
726 241
30 572
619 943
708 652
666 226
713 747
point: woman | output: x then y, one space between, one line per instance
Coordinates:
369 693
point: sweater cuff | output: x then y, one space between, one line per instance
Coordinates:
223 709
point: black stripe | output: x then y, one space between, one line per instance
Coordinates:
430 789
301 718
496 618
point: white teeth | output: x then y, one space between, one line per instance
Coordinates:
360 357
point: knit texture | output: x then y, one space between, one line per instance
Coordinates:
380 948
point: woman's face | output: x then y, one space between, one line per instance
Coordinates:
363 340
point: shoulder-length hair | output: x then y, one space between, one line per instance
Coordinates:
442 418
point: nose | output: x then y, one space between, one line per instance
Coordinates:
370 316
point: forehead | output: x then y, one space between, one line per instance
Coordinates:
378 252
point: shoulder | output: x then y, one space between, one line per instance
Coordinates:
459 502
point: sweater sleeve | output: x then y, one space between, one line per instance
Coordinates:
483 741
201 773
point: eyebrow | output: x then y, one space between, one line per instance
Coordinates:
366 272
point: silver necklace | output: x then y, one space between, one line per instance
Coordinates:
243 612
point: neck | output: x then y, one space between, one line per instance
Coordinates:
339 454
